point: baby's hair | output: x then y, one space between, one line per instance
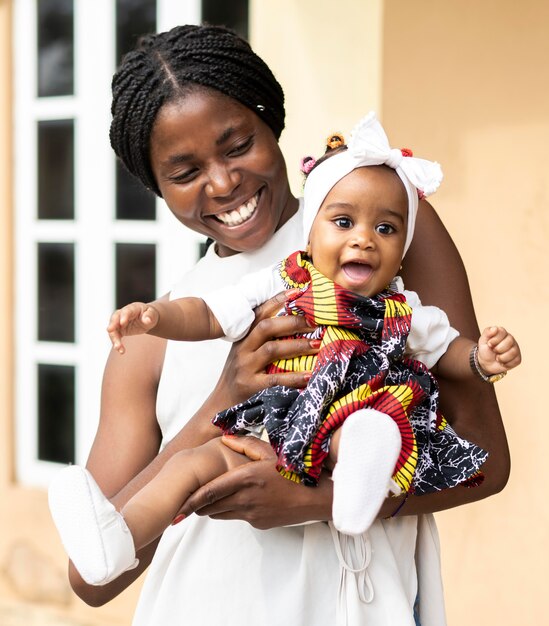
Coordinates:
167 66
335 143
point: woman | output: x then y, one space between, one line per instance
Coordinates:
196 117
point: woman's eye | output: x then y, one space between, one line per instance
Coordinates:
184 177
241 148
385 229
343 222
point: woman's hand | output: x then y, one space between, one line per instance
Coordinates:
258 494
244 371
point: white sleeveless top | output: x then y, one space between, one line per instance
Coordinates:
227 573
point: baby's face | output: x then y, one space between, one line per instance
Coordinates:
357 238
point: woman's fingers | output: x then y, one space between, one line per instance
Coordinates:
252 447
273 305
214 498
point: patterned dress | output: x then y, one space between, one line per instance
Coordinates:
360 364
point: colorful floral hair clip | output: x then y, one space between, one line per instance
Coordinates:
307 164
335 140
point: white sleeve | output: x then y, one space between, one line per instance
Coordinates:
431 333
233 305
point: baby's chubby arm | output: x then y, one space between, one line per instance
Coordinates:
498 352
182 319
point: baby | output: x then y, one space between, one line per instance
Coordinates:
370 410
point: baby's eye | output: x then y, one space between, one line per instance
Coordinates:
343 222
385 229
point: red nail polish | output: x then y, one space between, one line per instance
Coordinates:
315 343
307 377
177 519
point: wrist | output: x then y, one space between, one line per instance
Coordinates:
477 370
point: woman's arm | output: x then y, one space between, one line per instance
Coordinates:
124 456
433 268
127 439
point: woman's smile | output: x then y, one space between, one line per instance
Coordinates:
235 217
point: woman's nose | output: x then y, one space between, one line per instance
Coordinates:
222 181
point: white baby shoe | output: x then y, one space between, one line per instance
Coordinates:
369 447
94 534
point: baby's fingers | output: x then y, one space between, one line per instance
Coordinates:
149 317
493 335
113 330
116 340
510 357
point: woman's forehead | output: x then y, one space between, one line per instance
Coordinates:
199 120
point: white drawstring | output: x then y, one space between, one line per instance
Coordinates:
354 554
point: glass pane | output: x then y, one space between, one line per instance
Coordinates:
133 19
133 201
135 273
56 413
56 292
56 170
55 36
232 14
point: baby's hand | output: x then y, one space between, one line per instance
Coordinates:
136 318
498 351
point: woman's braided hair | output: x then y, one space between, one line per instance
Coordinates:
168 66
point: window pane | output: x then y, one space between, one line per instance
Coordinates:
56 413
135 273
133 201
133 19
55 23
232 14
56 169
56 292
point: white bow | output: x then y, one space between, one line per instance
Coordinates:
369 145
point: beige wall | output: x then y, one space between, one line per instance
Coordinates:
315 48
461 81
466 82
6 249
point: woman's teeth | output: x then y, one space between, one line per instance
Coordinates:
240 215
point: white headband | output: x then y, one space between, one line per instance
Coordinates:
369 146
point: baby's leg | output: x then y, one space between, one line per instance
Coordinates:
100 541
151 510
364 450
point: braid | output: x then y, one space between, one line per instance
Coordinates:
168 65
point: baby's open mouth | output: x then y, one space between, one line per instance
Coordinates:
357 271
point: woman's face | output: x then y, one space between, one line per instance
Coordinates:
220 171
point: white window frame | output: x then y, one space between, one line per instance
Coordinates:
94 230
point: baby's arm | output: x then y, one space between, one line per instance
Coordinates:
497 352
183 319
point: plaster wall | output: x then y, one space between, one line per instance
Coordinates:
466 83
